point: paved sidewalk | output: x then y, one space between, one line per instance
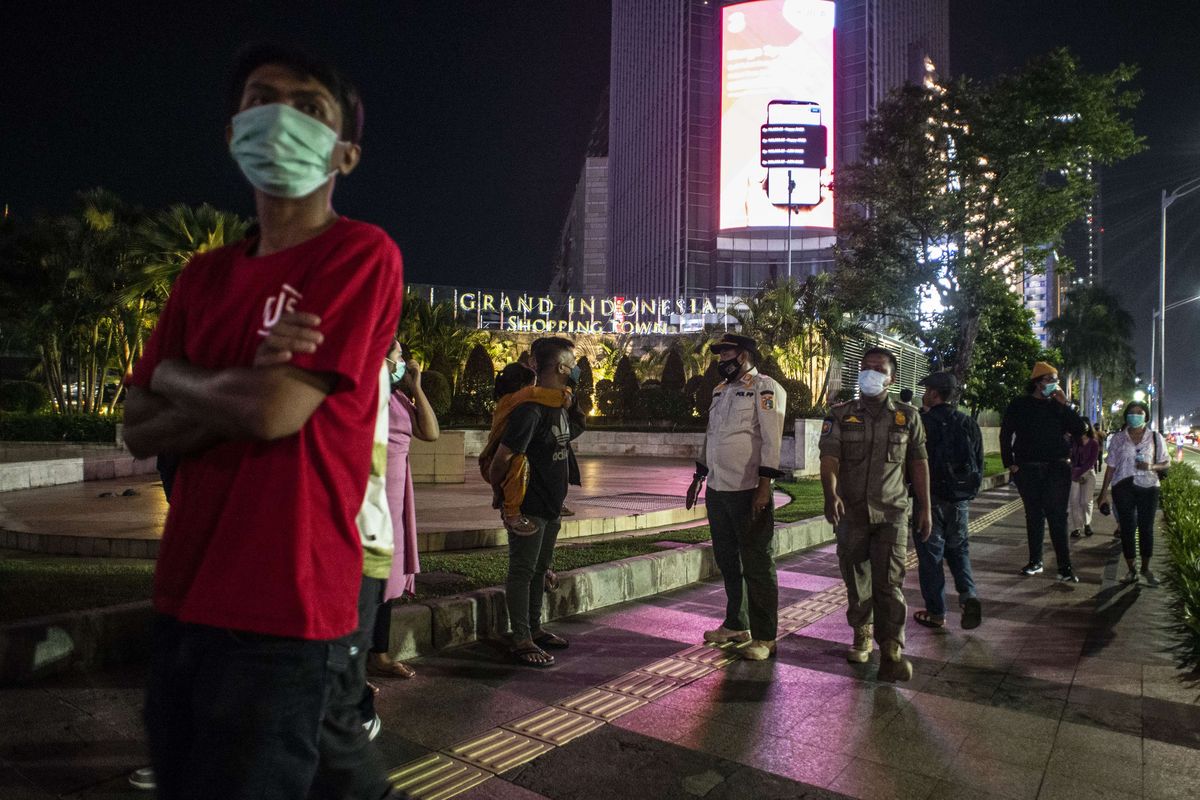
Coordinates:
1063 692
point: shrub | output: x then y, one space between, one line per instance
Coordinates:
799 398
23 397
625 388
437 389
585 392
474 395
658 402
606 398
701 396
1181 517
673 375
58 428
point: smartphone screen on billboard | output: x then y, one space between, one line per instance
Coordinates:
807 188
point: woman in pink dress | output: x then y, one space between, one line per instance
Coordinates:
409 415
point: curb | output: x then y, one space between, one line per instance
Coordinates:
84 640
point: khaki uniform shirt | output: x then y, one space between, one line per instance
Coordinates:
872 451
745 433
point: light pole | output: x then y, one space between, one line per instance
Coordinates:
1167 200
1155 320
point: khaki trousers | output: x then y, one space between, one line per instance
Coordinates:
871 559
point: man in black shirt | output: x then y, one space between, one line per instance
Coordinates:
543 435
1035 448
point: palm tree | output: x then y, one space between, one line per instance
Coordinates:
167 240
1093 334
435 337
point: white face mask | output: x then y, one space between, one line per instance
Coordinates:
871 383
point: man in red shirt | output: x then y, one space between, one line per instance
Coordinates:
260 564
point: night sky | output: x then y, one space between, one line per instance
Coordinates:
477 115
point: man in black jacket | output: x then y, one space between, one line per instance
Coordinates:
1034 445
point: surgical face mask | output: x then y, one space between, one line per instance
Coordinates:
573 376
871 383
729 369
399 370
1135 420
1049 389
282 151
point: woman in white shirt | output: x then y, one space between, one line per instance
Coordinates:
1136 455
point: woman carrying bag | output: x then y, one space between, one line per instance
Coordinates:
1136 457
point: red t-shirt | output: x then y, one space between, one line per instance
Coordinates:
261 536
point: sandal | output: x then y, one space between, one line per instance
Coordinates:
382 665
928 620
550 640
531 655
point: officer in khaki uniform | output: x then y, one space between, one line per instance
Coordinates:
741 460
867 445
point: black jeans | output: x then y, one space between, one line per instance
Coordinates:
237 715
1136 507
528 559
1046 490
742 547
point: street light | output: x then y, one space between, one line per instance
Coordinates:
1167 199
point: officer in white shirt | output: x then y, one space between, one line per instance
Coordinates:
741 461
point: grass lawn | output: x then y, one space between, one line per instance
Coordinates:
992 465
35 587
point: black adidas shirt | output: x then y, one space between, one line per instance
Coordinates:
542 434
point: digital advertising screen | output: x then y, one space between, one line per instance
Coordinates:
776 95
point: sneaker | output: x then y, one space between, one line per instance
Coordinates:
893 666
1076 534
1149 577
1067 576
143 779
1032 568
860 651
1130 578
758 650
1087 530
373 727
723 635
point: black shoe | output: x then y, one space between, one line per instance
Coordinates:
972 613
1067 576
1032 568
1076 534
1149 577
1087 530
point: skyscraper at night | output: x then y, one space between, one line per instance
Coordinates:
690 209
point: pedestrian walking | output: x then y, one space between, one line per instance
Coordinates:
867 445
541 434
955 448
740 461
1035 447
259 574
1085 454
1136 458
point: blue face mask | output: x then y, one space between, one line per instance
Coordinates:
573 376
1049 389
398 371
1135 420
282 151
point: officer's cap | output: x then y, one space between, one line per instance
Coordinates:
733 340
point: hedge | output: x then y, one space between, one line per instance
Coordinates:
1181 518
23 397
58 428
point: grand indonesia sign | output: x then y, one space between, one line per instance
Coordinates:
520 312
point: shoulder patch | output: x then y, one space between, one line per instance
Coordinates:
826 426
766 399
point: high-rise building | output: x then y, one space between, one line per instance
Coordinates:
582 262
672 80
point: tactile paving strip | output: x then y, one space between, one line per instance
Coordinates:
639 684
499 750
437 777
602 704
708 655
555 725
685 671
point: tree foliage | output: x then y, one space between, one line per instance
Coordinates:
474 396
673 374
963 187
585 390
625 388
1093 333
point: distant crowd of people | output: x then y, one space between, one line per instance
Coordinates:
282 410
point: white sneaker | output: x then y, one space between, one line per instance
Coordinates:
373 727
143 779
860 651
723 635
758 650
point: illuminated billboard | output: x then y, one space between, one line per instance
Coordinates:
776 86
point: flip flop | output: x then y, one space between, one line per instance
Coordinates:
394 669
972 613
528 656
551 641
925 618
